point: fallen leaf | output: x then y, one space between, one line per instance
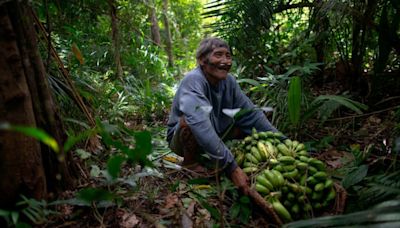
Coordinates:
170 201
128 220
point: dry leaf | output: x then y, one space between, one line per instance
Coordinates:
78 53
170 201
128 221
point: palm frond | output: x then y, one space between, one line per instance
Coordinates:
327 104
386 214
380 187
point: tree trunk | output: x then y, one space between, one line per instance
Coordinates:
115 37
26 166
359 38
320 25
167 34
154 29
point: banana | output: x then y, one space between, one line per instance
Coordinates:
263 151
328 184
331 195
316 196
248 139
279 176
295 209
302 165
311 180
304 158
251 158
312 170
300 147
292 174
271 177
283 149
319 187
288 160
261 179
249 164
295 143
277 134
281 210
250 169
288 143
303 180
321 176
262 189
303 153
270 149
239 158
288 168
256 153
294 187
317 164
273 161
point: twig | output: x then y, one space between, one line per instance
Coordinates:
365 114
160 156
220 198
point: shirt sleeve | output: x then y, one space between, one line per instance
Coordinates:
255 118
196 108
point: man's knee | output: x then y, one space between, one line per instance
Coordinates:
183 138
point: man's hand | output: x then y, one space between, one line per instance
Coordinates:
241 180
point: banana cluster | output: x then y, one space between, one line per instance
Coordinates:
295 184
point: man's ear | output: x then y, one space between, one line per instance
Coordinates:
202 61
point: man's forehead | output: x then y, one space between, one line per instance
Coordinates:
221 49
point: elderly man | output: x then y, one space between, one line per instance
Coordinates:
196 121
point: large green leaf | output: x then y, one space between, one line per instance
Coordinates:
114 165
294 99
385 214
355 176
33 132
348 103
90 195
249 81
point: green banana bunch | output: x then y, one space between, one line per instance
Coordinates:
296 184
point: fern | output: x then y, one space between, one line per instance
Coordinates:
380 187
325 105
386 214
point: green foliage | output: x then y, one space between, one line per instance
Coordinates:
36 133
36 211
90 195
325 105
385 214
294 100
355 176
240 210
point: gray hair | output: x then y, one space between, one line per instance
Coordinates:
207 45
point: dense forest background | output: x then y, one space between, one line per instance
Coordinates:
86 87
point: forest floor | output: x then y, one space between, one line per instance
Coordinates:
168 195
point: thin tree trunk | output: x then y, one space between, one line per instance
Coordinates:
359 33
26 166
115 37
155 29
167 34
320 24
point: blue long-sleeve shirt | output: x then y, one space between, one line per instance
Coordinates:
194 99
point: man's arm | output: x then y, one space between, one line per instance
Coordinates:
196 109
256 118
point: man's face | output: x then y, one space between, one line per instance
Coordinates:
217 65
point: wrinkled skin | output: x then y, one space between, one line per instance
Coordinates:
216 65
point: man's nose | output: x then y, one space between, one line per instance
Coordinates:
226 60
